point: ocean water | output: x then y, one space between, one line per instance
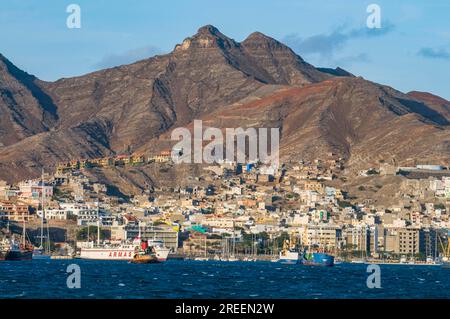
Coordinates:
197 279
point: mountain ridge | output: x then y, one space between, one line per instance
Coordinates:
134 107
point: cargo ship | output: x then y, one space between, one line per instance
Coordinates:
317 259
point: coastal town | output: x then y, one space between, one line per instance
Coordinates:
246 212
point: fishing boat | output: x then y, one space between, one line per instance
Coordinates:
19 250
289 254
317 259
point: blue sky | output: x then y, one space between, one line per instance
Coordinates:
410 52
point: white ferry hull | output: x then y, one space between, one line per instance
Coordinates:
106 254
161 253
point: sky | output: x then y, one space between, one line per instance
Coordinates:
411 50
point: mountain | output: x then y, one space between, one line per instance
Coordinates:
258 82
440 105
25 108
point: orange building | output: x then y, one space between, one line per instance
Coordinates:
10 210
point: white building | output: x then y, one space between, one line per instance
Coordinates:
85 213
54 213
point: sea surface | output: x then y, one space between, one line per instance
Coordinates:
213 279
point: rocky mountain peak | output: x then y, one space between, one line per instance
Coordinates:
209 29
259 82
206 37
258 39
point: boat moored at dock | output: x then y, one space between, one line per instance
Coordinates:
122 251
317 259
290 254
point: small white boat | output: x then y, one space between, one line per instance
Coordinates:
274 260
201 259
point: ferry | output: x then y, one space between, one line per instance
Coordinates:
123 251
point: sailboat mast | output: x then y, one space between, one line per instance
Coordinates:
98 232
24 234
98 225
43 211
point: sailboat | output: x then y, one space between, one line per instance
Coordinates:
20 250
362 259
204 258
445 251
232 256
274 258
41 252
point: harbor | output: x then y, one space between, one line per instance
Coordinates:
217 279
